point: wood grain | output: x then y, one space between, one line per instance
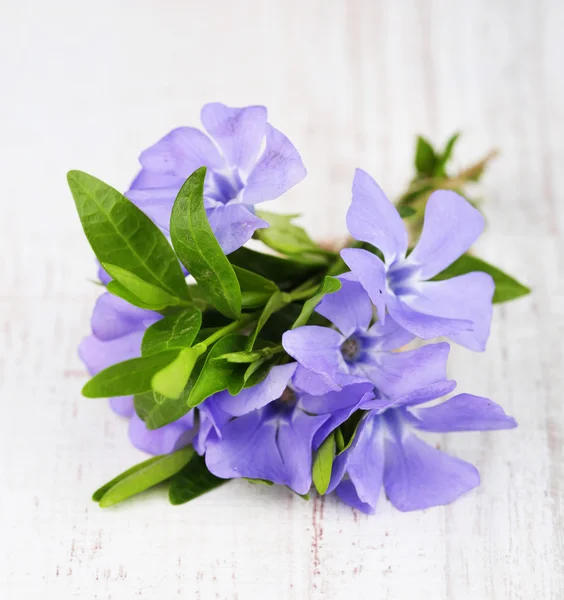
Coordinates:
87 85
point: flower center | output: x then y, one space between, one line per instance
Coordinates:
351 348
288 396
225 186
401 279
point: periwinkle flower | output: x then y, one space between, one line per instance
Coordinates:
117 331
269 431
459 308
248 162
414 474
356 352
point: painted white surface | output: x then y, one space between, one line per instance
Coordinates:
87 85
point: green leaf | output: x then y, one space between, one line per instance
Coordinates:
175 331
259 481
171 381
199 251
115 288
147 293
255 289
275 303
129 377
348 430
323 464
339 440
285 237
217 374
143 476
329 285
506 288
446 155
193 481
120 234
286 273
406 211
157 411
425 157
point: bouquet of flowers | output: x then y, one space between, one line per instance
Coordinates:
286 366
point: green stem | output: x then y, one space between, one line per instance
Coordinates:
231 328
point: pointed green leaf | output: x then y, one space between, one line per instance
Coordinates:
176 331
248 357
506 288
276 302
193 481
329 285
285 237
259 481
199 251
129 377
255 289
115 288
323 464
147 293
286 273
157 411
171 381
406 211
217 374
143 476
425 157
120 234
446 155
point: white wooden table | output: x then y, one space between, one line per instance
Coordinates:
88 85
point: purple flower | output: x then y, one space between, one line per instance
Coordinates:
461 307
269 431
117 332
357 352
414 474
248 162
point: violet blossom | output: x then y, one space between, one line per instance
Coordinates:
459 308
248 162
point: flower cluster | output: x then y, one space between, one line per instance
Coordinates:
286 368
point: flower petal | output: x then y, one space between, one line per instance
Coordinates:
399 373
239 132
259 395
98 355
374 219
450 227
418 476
233 225
466 297
312 383
278 169
113 317
146 179
156 203
122 405
247 449
464 412
339 405
384 337
349 308
181 152
164 440
347 494
295 438
365 466
315 348
371 272
423 325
